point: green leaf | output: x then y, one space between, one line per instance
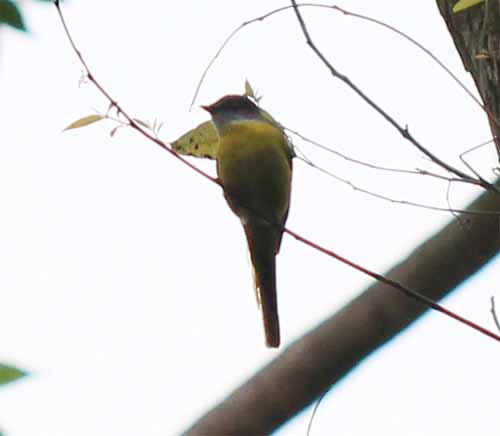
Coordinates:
9 374
10 15
202 141
462 5
85 121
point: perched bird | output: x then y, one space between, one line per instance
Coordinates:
254 166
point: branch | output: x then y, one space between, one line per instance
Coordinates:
316 362
373 194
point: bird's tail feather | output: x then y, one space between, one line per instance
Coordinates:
262 242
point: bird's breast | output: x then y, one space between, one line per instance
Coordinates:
254 166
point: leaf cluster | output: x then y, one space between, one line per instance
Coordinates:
11 15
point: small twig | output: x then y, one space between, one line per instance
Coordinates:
420 172
440 176
313 414
462 158
389 199
448 202
494 313
350 159
225 43
207 68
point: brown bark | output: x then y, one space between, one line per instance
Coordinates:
476 34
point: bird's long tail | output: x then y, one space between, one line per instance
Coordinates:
262 242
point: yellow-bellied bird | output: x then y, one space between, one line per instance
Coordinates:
254 165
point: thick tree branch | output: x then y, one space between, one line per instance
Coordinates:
322 357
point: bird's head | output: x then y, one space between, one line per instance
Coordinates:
231 108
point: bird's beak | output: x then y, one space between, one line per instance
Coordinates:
208 108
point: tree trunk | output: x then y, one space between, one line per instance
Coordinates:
476 34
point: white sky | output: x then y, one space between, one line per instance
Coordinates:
124 280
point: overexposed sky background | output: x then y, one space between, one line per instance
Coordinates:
125 282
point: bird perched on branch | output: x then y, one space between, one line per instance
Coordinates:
254 166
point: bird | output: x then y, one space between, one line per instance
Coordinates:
254 167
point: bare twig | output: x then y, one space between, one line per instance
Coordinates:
494 313
419 172
393 200
348 158
313 414
462 158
